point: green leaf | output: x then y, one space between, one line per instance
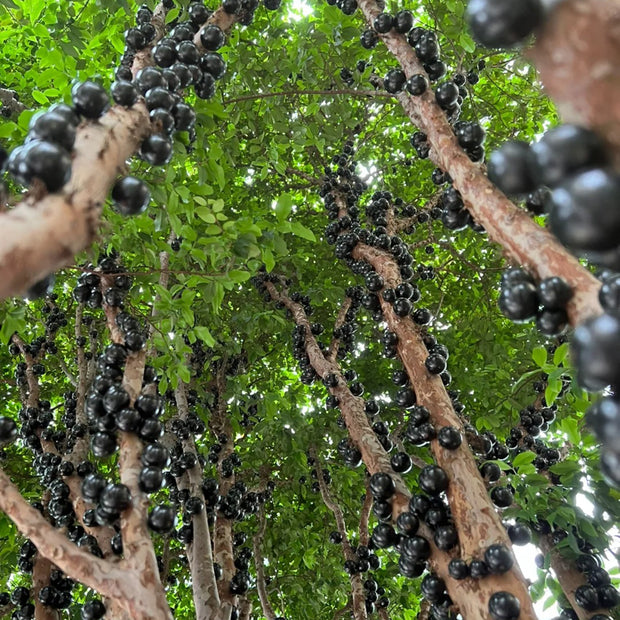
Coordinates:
570 427
236 275
525 458
284 206
298 229
205 335
560 354
268 259
539 355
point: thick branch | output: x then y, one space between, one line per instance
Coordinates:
523 240
475 517
578 51
567 575
41 236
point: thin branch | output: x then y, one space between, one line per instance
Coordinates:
349 92
261 586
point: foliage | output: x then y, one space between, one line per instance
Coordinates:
246 195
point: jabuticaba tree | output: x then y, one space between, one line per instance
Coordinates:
177 461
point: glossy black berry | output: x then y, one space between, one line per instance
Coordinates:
433 480
131 196
212 37
509 168
503 23
504 606
90 100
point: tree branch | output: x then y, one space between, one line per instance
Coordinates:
199 553
10 102
261 586
523 240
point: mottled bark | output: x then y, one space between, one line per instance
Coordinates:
523 241
577 54
9 101
41 235
567 575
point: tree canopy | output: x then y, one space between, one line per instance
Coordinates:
232 262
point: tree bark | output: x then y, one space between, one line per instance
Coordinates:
357 589
475 517
261 586
567 575
577 54
469 595
199 552
524 241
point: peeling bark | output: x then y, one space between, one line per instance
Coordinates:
41 236
469 595
523 241
577 54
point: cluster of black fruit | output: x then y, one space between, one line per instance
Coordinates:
89 289
521 299
596 351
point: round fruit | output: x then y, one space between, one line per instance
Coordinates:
156 150
502 497
212 37
458 569
596 350
131 196
435 364
508 168
519 301
433 480
503 23
90 99
554 293
583 211
519 534
394 81
564 150
498 558
161 518
416 84
449 437
504 606
52 127
46 161
381 486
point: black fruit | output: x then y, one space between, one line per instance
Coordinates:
502 497
519 301
90 100
161 518
212 37
394 81
564 150
435 364
503 23
596 350
498 558
433 480
583 211
449 437
381 486
504 606
131 196
554 293
509 168
458 569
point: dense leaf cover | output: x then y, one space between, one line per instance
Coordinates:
245 195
